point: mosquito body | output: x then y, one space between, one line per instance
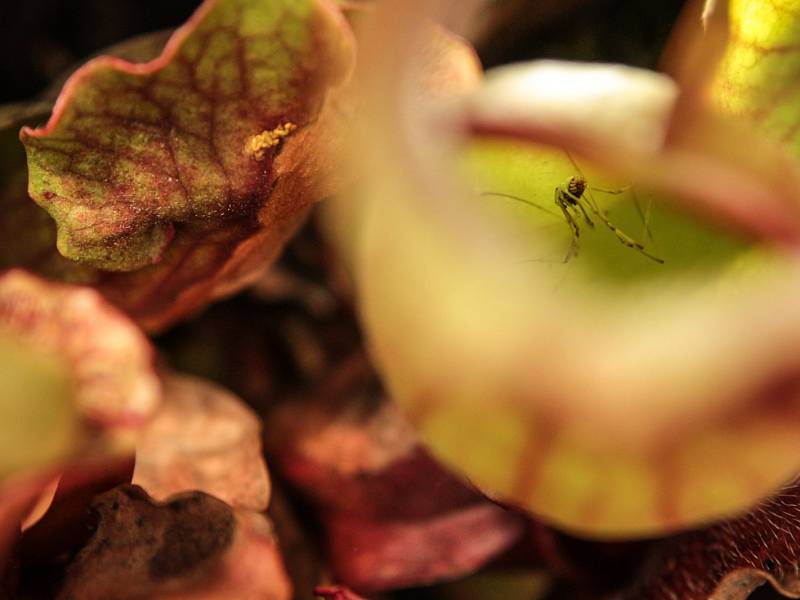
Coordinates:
576 203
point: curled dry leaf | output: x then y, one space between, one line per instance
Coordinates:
173 171
393 516
191 547
203 438
613 396
727 561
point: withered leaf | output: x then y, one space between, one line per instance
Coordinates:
193 546
203 438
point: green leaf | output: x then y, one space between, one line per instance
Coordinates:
135 152
531 174
758 74
178 181
610 396
38 413
36 249
110 361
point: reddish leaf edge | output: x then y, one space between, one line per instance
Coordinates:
169 52
336 592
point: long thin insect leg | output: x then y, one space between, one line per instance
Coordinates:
576 201
574 164
643 215
571 222
573 225
581 173
615 192
593 206
624 238
589 222
522 200
589 195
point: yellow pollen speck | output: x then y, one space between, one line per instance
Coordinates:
256 146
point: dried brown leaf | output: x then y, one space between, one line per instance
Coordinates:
191 547
203 438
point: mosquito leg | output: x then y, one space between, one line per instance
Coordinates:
571 222
625 239
589 222
576 201
589 191
587 197
644 215
621 190
571 251
530 203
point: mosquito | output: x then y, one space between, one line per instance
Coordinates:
574 198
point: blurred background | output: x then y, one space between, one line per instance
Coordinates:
40 39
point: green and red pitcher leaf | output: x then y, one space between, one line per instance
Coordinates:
759 69
610 394
171 171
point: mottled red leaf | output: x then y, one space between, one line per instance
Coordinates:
393 516
201 161
111 361
203 438
193 546
729 560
